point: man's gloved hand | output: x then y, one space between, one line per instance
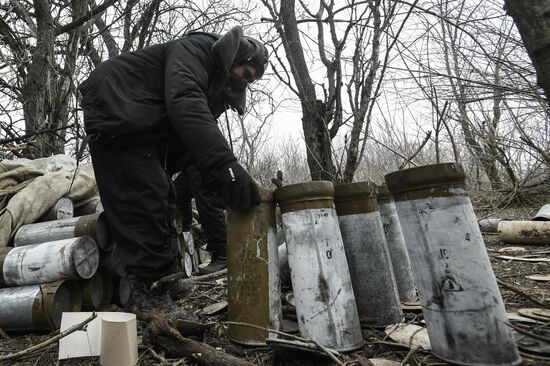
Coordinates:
240 192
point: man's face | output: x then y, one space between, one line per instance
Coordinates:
241 76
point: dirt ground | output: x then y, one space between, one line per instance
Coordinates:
512 275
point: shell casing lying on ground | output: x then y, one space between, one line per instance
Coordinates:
93 225
254 291
75 258
62 209
461 301
367 253
35 307
325 304
524 232
396 245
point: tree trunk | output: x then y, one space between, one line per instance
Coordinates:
532 19
318 143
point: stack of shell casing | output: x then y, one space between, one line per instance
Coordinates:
60 264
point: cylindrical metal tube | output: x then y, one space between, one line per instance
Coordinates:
323 292
122 291
93 225
396 245
92 207
254 290
62 209
460 298
524 232
92 292
112 263
36 307
489 225
367 253
76 258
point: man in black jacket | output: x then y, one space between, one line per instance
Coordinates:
144 111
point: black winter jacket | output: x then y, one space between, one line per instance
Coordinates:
171 88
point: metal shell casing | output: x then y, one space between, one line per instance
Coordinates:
460 298
76 258
367 254
396 245
35 307
254 290
325 304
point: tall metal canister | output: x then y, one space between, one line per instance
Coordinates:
254 289
396 245
35 307
461 301
76 258
367 253
323 293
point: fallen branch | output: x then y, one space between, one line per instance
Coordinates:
46 343
329 352
166 281
409 355
529 334
520 292
163 334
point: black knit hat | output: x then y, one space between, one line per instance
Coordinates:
253 53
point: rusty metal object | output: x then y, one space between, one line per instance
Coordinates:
367 253
254 292
524 232
93 225
76 258
35 307
460 298
396 245
325 304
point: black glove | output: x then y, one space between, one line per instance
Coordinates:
240 192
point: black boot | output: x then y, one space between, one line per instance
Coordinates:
145 298
217 263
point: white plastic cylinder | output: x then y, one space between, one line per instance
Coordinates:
118 340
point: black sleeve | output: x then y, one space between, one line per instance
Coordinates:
189 67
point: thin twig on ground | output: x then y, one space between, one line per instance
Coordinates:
46 343
329 352
520 292
409 355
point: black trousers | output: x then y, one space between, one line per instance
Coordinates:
210 207
139 202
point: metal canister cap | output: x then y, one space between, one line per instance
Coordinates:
300 196
86 257
424 177
355 198
384 193
355 190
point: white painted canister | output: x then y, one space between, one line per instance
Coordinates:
396 245
461 301
325 304
75 258
367 254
